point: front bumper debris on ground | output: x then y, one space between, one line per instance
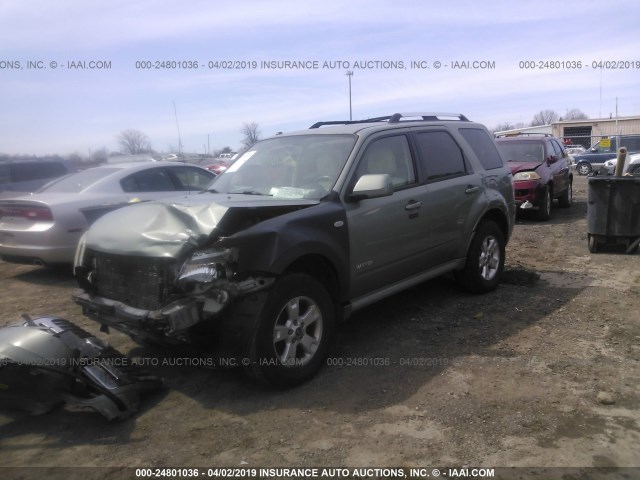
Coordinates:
47 361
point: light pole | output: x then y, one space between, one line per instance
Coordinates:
350 74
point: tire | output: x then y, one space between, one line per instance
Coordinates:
583 168
593 244
485 260
566 199
292 332
544 209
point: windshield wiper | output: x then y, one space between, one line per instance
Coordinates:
253 192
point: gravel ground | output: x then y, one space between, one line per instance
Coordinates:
541 372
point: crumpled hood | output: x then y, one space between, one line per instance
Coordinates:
516 167
170 228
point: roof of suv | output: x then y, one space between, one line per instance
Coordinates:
379 123
524 136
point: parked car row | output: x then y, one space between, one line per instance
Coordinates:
298 232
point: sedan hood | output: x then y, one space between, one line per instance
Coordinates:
173 228
516 167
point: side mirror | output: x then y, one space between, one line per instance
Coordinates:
552 159
594 149
372 186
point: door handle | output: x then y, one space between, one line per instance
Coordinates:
412 205
472 189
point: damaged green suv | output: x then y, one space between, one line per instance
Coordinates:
303 229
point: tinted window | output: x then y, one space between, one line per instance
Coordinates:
152 180
441 155
632 143
483 146
558 149
24 172
76 182
192 178
390 155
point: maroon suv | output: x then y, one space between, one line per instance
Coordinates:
541 171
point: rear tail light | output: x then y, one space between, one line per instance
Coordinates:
35 213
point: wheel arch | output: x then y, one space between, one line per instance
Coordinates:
497 216
320 268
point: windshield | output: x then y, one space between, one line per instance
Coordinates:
77 182
301 166
522 152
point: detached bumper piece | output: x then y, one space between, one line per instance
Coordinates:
47 361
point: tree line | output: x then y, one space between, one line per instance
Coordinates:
135 142
543 117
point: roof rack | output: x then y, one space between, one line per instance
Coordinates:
349 122
428 117
528 134
395 118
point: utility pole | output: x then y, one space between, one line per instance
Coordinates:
350 74
175 112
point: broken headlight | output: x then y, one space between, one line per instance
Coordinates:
207 266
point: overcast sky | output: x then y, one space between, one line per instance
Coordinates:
51 106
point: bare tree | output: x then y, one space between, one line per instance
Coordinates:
133 142
575 114
544 117
250 134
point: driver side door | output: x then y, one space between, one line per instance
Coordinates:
387 235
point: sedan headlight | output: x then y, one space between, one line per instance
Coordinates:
526 176
206 266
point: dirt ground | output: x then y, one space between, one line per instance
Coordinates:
542 372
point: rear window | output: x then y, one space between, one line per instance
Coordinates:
77 182
483 146
192 178
28 171
441 156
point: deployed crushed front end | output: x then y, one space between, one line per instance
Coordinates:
168 275
159 298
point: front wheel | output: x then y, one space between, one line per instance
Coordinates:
485 260
292 332
566 199
544 209
584 168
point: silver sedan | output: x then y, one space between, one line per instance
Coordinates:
43 228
